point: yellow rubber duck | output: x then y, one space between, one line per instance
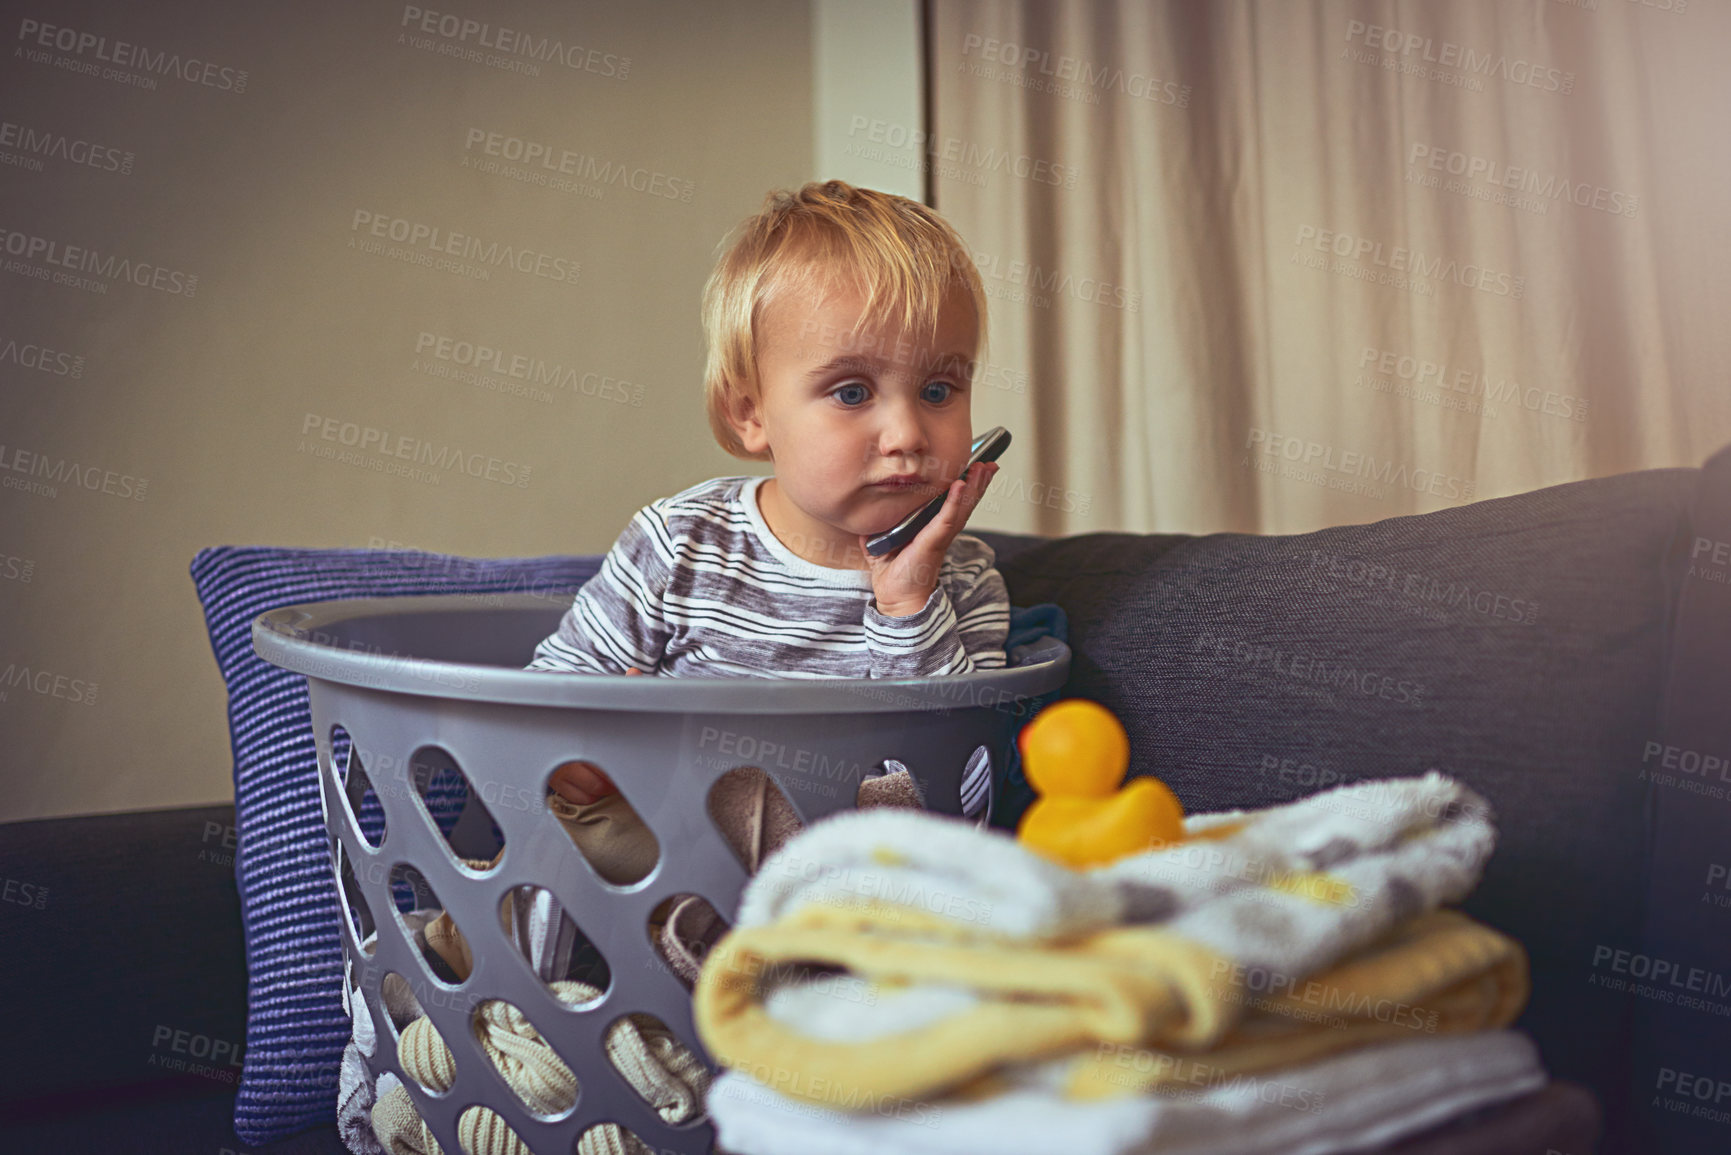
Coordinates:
1075 755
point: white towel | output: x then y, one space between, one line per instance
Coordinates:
1351 1102
1317 833
1391 850
983 880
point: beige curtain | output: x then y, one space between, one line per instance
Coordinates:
1274 266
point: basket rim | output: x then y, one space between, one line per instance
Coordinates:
287 637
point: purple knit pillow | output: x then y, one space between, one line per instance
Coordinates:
296 1028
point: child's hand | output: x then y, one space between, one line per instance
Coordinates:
903 580
581 783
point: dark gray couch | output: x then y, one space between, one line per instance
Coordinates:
1554 650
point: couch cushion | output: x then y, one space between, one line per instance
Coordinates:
1682 962
296 1028
124 964
1514 643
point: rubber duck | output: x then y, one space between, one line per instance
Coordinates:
1075 754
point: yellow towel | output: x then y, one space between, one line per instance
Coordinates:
1441 973
1041 1000
1125 987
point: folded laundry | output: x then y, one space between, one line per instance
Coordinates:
923 1017
906 899
1354 1101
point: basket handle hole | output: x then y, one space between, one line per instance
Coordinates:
524 1054
753 815
348 764
606 829
682 929
451 803
554 947
666 1073
355 909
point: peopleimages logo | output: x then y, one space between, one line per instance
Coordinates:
1545 186
48 684
55 471
985 158
1063 69
523 49
543 163
34 145
1473 383
1019 280
1319 456
480 364
1448 54
68 261
1414 262
42 38
364 439
29 355
427 244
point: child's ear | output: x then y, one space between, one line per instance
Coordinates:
742 414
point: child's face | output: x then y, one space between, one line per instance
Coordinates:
842 410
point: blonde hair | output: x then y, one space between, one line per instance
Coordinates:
901 255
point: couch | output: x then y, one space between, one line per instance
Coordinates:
1565 652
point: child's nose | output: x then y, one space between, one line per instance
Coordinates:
903 433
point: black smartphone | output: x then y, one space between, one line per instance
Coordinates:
987 447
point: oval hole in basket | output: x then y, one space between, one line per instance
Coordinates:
889 783
446 953
976 788
641 1033
554 948
606 1138
355 909
524 1057
752 812
682 929
424 1054
401 1005
454 807
349 766
616 843
482 1129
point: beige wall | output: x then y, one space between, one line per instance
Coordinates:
201 406
866 63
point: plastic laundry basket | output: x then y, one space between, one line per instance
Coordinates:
424 681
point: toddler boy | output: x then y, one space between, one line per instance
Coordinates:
842 327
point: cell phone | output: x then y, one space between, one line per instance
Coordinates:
987 447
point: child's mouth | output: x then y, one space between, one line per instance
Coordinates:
896 484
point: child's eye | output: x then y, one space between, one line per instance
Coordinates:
848 388
945 386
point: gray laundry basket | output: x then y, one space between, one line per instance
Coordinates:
420 682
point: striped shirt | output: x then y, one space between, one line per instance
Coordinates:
698 586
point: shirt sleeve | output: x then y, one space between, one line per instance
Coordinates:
617 620
961 628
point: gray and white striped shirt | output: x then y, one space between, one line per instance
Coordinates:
698 586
